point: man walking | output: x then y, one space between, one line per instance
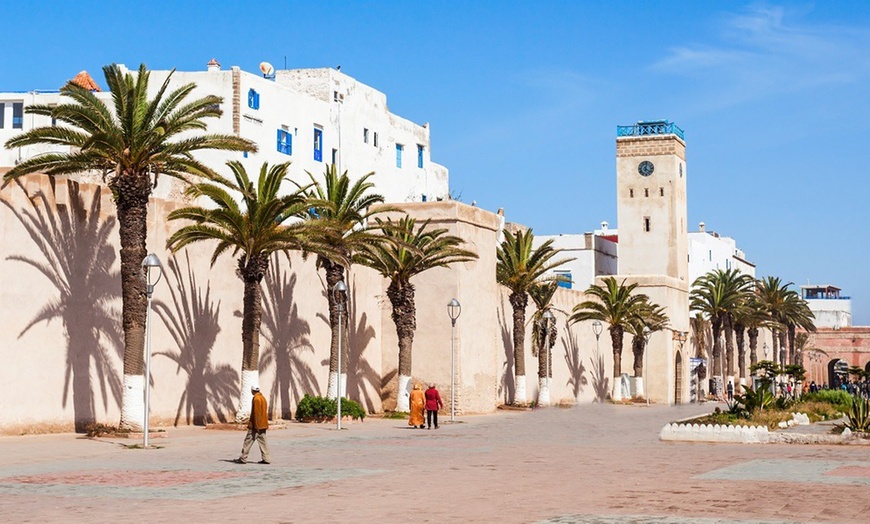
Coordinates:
433 404
730 391
257 426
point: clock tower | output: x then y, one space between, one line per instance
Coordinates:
653 248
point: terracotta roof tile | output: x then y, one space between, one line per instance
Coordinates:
83 79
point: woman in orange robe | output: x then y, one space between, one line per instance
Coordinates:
418 405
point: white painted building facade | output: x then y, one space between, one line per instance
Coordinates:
310 117
709 251
831 308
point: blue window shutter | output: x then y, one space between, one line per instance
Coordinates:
318 145
399 155
419 156
253 99
285 142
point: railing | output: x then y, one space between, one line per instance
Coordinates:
657 127
823 297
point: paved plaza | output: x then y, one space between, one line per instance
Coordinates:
589 464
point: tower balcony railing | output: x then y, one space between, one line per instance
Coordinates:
657 127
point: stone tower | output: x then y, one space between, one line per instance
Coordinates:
653 247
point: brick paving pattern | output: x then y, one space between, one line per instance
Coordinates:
597 464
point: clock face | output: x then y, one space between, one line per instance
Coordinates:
645 168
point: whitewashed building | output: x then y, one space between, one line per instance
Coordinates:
310 117
594 254
831 308
709 251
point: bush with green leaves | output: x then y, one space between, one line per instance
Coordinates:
321 409
754 400
837 397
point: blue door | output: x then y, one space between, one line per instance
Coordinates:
318 145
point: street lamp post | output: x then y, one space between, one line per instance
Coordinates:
454 309
339 290
681 340
647 333
545 386
152 270
597 328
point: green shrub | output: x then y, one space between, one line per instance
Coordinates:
837 397
321 409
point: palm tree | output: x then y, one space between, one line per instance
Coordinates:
252 232
772 293
342 209
699 327
407 251
751 316
716 295
617 305
649 319
518 268
795 314
140 138
544 332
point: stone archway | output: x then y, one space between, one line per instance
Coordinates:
838 372
678 378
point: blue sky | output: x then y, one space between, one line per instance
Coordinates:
524 97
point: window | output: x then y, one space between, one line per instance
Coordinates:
661 191
376 139
285 142
318 144
631 193
646 225
399 149
365 135
17 115
646 192
564 279
419 156
2 114
253 99
334 157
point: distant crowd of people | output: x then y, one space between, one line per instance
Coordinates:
853 387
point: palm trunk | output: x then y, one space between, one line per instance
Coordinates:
739 332
729 345
518 303
791 351
783 349
131 192
753 346
251 271
334 275
401 295
616 333
716 372
638 347
547 340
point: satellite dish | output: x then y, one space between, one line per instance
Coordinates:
267 69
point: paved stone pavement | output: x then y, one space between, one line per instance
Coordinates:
599 464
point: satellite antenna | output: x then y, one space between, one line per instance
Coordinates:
267 70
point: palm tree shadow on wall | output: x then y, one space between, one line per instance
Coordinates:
576 369
78 260
191 317
600 380
362 378
507 386
287 336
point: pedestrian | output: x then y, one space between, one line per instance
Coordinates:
730 391
258 423
418 405
433 404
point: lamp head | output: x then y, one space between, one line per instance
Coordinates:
454 309
152 270
647 332
548 315
597 327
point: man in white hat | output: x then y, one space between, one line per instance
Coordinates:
257 426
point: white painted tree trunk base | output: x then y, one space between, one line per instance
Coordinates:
133 403
638 386
330 388
520 394
616 393
249 378
403 397
543 391
743 381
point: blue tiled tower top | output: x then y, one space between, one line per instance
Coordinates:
650 127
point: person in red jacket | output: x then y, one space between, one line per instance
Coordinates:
433 404
257 426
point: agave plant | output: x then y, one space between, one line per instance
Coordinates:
858 417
